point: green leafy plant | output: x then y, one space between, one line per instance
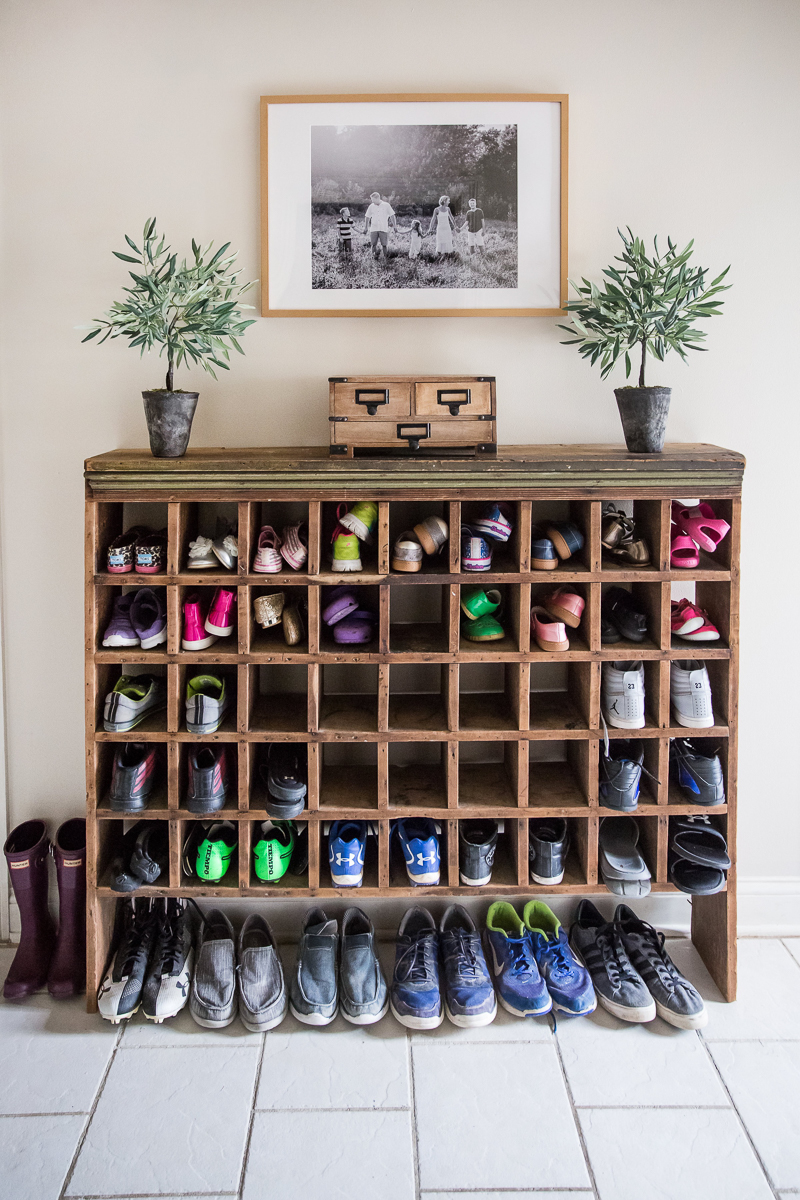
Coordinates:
190 310
648 302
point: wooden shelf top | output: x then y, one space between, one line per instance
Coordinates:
703 469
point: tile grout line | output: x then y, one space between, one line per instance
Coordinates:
250 1123
654 1107
89 1116
412 1084
328 1108
738 1115
575 1117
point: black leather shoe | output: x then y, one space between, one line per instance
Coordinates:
620 609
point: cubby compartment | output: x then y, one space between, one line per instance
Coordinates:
189 879
647 845
349 776
488 774
278 698
418 774
489 695
505 555
559 775
223 647
554 512
272 640
111 843
404 515
223 758
348 697
652 694
279 515
114 519
651 778
577 867
650 599
398 871
368 599
106 678
561 695
368 549
719 561
504 862
709 746
229 677
105 599
714 600
718 676
257 756
419 619
418 696
578 638
508 616
106 753
212 520
648 517
292 879
371 857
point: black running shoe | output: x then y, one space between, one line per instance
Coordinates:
208 779
696 769
133 776
166 988
121 990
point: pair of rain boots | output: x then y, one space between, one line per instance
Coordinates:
46 956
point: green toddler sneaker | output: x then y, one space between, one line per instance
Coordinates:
360 520
273 850
475 602
346 554
216 850
483 629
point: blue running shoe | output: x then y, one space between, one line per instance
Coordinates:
347 842
568 982
420 843
469 998
520 988
415 997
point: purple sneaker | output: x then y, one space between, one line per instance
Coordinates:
341 601
149 616
358 627
120 631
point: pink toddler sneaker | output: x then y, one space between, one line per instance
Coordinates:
267 560
151 553
295 545
550 635
692 623
194 632
220 619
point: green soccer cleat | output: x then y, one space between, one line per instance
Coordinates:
273 850
216 850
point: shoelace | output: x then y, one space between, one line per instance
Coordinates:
418 959
615 957
169 947
662 964
339 530
522 960
607 754
559 958
461 948
132 944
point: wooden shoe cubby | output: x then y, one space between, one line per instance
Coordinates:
419 721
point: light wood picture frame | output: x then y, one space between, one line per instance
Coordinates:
414 205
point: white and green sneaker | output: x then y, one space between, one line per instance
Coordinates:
207 701
133 698
360 520
346 554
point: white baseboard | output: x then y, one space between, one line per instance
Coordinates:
769 906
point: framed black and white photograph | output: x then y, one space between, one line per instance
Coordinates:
414 205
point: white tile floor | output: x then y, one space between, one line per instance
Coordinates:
597 1110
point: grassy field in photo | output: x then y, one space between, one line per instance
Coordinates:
497 268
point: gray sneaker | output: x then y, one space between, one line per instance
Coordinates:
262 991
212 999
364 997
677 1002
314 996
599 945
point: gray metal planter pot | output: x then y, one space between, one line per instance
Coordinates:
169 421
644 412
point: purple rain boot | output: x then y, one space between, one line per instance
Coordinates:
67 975
27 850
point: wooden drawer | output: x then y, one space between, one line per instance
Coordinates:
397 433
385 397
467 397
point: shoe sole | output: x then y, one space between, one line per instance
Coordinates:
476 1022
425 540
158 1020
129 806
356 525
624 722
488 637
202 644
692 722
530 1012
124 726
545 882
564 615
285 813
429 880
404 564
310 1018
698 637
207 1023
265 1026
636 1016
544 564
117 640
156 640
417 1022
219 630
698 1021
347 880
346 564
120 1017
498 533
201 808
475 882
571 1012
366 1020
551 647
562 549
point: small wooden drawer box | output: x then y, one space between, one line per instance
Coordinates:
371 413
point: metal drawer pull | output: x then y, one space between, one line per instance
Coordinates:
454 405
372 405
414 439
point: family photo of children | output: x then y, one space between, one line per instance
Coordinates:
414 206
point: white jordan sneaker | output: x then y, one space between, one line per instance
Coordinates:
690 693
623 694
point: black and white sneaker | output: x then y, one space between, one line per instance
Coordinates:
166 987
120 992
696 769
477 842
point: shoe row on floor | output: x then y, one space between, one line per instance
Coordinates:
622 694
526 962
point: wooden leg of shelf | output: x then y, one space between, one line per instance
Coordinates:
714 935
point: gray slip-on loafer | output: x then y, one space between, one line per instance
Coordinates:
212 999
313 994
262 991
364 997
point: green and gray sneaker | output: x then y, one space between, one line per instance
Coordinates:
346 554
361 519
133 698
273 850
207 701
208 850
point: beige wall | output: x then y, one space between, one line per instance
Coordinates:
684 121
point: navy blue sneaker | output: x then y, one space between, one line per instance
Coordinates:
415 997
469 998
520 988
420 844
568 982
347 843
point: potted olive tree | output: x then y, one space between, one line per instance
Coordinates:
191 311
647 306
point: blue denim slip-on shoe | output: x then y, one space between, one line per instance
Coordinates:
469 998
420 845
566 538
363 995
416 1000
347 844
568 982
314 992
520 988
543 552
